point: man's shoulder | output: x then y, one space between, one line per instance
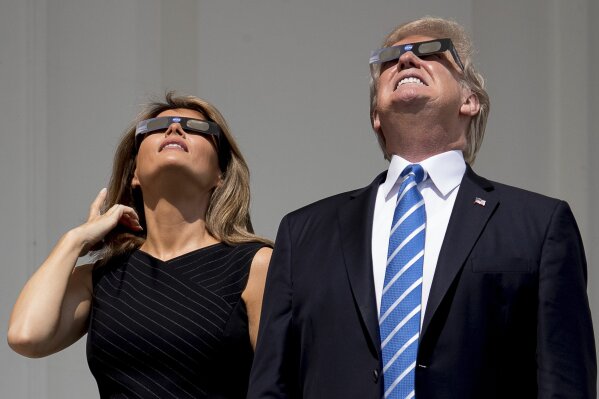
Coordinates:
506 190
519 196
326 204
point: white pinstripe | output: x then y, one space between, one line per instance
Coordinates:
403 270
168 298
399 378
411 288
406 215
400 325
139 371
407 188
159 304
146 329
179 282
400 351
405 242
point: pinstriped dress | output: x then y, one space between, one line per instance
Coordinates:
175 329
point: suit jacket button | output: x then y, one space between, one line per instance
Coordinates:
375 375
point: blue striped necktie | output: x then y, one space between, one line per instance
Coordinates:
399 318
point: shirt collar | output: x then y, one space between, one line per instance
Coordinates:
445 170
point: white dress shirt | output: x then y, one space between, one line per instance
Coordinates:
445 172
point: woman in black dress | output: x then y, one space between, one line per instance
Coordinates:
172 307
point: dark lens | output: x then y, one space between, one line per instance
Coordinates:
389 53
429 48
156 124
198 125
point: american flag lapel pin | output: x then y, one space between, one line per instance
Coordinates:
479 201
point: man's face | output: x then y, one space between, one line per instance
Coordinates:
414 84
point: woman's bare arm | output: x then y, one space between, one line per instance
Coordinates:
254 291
51 311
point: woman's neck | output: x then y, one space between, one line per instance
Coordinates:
176 225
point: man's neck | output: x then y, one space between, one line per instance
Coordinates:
418 137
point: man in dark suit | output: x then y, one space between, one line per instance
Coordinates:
491 301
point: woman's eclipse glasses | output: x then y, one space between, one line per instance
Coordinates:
189 125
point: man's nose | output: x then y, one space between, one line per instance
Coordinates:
408 60
175 128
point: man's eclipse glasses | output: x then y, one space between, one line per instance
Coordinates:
420 49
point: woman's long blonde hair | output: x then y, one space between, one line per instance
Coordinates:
228 214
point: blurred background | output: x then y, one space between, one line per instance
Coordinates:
291 78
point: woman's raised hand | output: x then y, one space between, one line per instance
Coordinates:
99 224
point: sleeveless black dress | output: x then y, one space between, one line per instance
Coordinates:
175 329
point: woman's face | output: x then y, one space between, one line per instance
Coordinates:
177 156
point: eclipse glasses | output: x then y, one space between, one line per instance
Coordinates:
419 49
189 125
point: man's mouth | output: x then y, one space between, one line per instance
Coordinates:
409 80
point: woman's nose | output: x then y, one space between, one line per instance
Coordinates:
175 128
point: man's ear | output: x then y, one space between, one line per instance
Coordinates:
376 122
376 125
470 105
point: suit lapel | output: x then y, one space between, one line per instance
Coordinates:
355 222
468 219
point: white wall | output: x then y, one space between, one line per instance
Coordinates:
591 189
292 80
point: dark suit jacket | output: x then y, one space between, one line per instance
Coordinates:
507 315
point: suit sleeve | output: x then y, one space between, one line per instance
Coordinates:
273 373
566 359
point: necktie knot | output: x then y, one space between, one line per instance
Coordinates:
415 170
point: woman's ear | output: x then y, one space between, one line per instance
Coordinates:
135 180
220 180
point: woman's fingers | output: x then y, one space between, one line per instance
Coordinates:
96 206
129 218
99 224
131 222
124 215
